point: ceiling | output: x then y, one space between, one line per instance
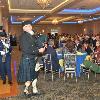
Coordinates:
32 4
86 4
61 10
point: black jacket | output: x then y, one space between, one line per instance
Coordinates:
29 45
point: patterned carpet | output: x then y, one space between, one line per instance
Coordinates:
84 89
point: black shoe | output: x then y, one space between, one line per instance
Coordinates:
27 95
10 82
36 94
4 81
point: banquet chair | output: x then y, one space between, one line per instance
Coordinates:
48 67
88 70
85 70
98 63
70 65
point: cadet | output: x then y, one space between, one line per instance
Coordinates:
5 58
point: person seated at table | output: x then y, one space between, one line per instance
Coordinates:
78 45
92 66
88 50
97 52
55 61
70 45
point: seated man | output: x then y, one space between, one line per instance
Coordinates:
86 48
55 61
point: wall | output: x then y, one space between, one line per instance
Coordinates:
91 27
65 28
71 29
85 28
15 29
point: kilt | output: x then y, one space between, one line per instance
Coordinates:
26 71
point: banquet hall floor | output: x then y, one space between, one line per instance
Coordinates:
84 89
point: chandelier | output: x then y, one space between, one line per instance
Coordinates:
55 21
44 3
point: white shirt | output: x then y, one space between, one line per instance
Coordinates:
31 33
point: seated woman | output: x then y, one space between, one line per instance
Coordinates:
70 45
91 65
97 52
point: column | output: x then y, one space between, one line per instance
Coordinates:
1 16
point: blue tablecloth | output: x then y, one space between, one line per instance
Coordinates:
79 60
60 56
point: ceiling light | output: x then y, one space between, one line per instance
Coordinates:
55 21
80 21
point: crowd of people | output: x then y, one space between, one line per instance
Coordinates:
83 43
34 46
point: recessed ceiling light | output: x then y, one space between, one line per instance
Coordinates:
34 16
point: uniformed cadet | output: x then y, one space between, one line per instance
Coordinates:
1 53
0 49
5 58
30 47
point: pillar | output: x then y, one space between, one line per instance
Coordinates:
1 23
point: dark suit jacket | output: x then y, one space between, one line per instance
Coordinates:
54 58
29 45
